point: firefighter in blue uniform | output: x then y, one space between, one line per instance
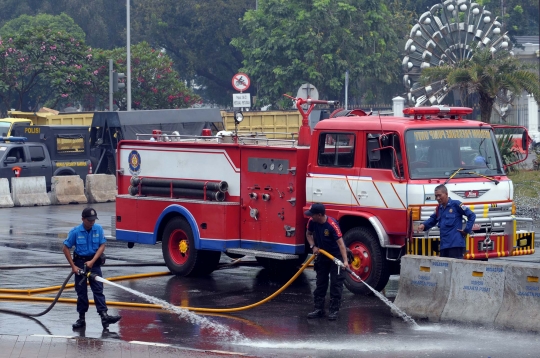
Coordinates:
324 232
448 216
89 241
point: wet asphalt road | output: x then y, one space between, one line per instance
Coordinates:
366 328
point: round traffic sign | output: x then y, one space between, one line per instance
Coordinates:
241 82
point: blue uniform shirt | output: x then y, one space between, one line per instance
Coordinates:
449 220
326 235
87 243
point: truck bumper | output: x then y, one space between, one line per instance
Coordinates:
479 246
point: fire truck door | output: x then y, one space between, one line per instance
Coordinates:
379 186
329 181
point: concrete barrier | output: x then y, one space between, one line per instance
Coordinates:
424 286
29 191
101 188
476 291
5 196
67 189
520 308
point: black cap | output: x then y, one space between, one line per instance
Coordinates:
89 213
315 209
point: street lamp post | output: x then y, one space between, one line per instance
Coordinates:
128 79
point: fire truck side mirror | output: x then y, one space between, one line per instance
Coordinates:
374 154
525 141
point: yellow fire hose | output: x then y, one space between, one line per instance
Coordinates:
149 305
55 288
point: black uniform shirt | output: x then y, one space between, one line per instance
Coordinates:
326 235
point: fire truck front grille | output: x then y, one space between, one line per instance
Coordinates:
481 210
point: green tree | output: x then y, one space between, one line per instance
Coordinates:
197 35
486 74
290 42
62 23
103 21
37 55
154 82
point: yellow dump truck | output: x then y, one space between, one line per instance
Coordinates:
274 124
6 125
44 119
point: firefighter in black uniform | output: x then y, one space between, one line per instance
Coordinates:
323 232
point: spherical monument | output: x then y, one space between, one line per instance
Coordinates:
445 35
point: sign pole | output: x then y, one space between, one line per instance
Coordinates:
110 86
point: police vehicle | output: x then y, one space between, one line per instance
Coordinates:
45 151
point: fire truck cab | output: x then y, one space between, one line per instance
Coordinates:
245 195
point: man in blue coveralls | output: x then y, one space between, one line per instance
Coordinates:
89 242
448 215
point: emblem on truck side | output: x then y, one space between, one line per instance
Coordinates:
134 160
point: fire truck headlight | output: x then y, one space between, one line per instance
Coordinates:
238 116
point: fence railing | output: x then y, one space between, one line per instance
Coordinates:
517 115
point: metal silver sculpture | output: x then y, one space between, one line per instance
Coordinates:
444 36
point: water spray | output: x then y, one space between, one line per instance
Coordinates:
394 308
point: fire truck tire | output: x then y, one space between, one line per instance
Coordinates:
180 254
369 261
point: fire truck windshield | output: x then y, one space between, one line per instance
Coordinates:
437 153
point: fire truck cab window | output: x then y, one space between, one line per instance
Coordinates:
384 158
336 150
438 153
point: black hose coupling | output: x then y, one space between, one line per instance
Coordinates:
83 272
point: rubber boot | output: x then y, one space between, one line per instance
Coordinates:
106 320
80 323
333 310
319 308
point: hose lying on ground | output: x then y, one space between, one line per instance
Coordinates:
149 305
3 310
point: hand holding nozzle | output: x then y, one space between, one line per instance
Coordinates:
83 272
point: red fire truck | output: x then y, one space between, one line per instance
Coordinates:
246 195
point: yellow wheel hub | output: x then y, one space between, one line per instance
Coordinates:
183 246
356 263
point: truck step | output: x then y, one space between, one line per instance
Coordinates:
257 253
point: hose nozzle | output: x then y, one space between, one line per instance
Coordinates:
85 272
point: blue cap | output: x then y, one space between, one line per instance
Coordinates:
479 160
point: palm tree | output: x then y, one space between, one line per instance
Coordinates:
487 74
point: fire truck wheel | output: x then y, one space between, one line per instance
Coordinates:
369 261
180 254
